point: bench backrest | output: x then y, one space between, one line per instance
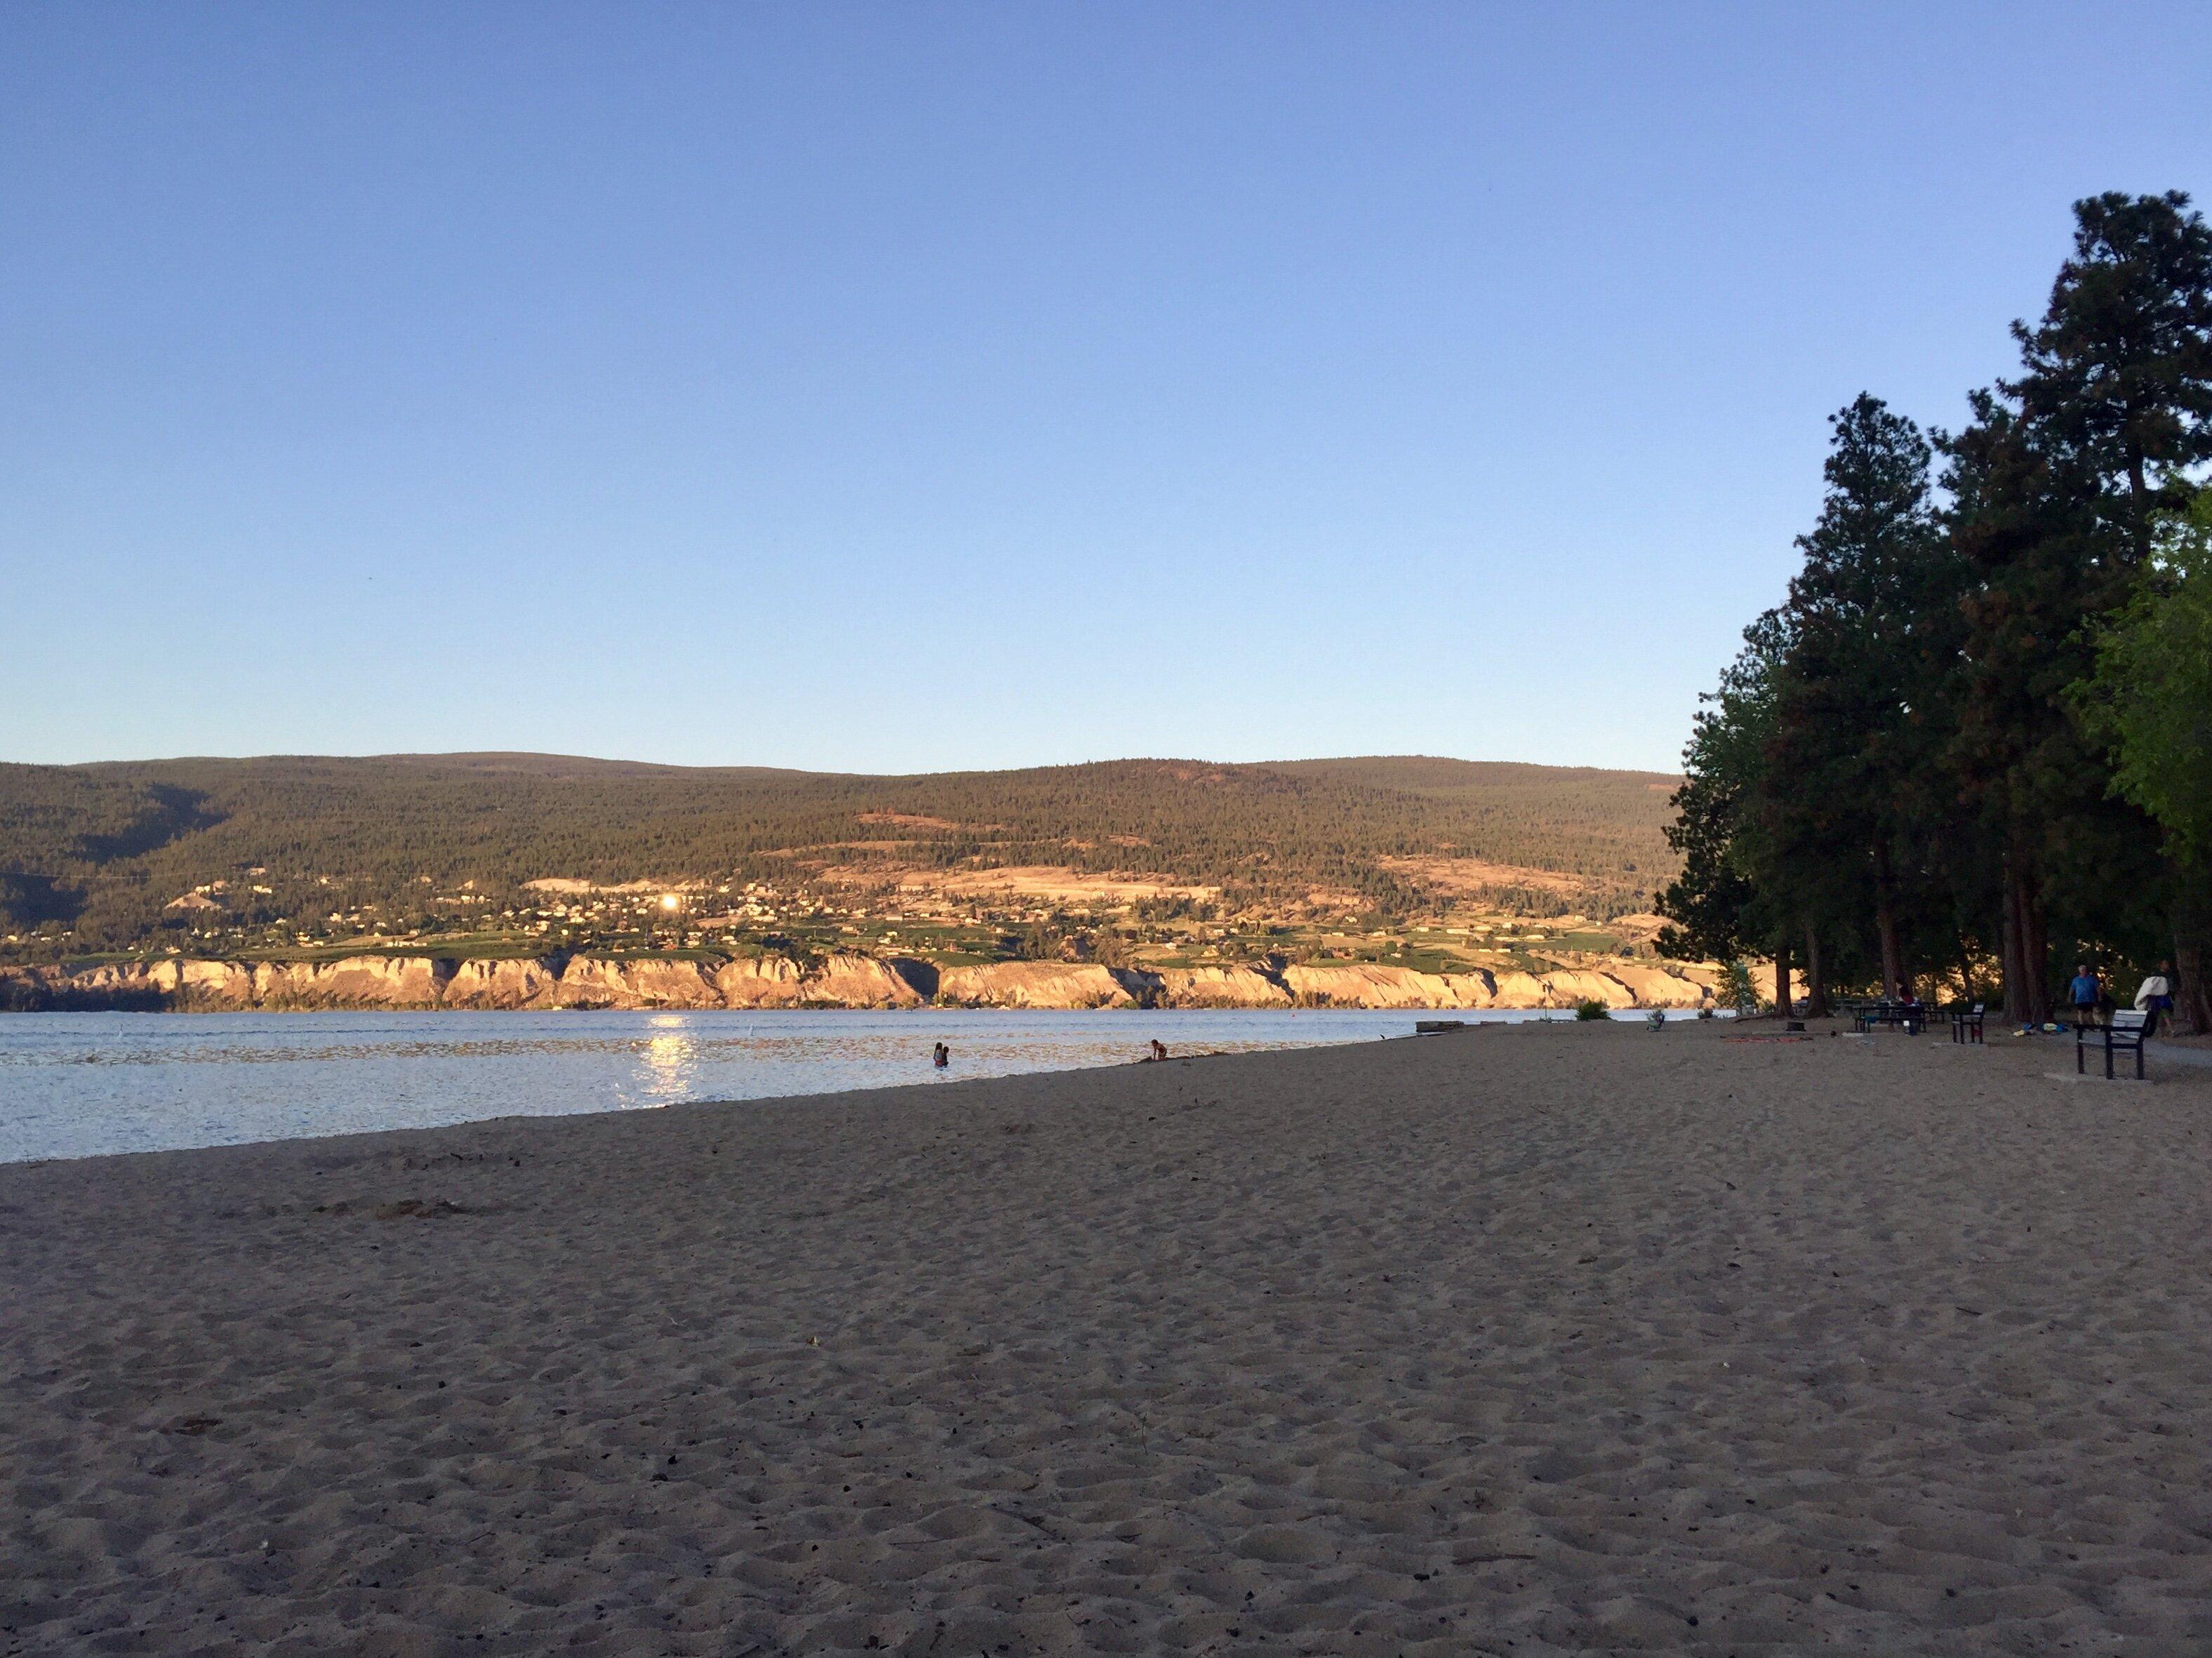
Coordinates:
2129 1018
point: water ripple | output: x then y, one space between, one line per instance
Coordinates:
80 1085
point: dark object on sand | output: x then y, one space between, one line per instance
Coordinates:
1437 1027
2124 1035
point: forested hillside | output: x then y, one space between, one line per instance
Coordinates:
104 853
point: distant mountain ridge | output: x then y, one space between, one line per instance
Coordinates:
102 849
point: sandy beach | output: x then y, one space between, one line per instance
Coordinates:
1535 1340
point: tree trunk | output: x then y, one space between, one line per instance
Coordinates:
2035 945
2192 929
2192 997
1885 924
2027 991
1781 980
2010 976
2138 490
1816 980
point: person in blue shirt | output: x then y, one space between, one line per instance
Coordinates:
2087 992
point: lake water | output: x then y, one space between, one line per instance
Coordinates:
83 1085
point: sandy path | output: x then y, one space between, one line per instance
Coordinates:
1518 1341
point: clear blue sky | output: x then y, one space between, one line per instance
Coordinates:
905 387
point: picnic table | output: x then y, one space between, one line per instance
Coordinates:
1910 1017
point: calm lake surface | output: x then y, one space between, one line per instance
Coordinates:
83 1085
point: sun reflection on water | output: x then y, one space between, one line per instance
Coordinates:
82 1084
672 1063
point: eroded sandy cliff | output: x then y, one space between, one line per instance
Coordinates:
842 980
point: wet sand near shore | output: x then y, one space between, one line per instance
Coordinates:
1517 1341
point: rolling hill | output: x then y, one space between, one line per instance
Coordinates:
111 856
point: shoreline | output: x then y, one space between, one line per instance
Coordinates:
76 1085
1572 1337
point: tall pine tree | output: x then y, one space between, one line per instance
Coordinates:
2056 487
1854 797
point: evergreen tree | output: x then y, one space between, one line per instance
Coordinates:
2056 485
1722 905
1854 794
2119 373
2149 700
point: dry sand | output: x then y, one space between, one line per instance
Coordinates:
1516 1341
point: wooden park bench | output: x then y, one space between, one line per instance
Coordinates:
1966 1024
2125 1034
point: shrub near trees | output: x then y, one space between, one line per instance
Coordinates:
1974 737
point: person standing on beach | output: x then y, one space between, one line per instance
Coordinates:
941 1056
2087 993
2156 997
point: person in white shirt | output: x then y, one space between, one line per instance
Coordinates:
2156 996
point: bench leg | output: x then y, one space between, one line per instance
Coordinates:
2108 1059
2139 1076
2079 1063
